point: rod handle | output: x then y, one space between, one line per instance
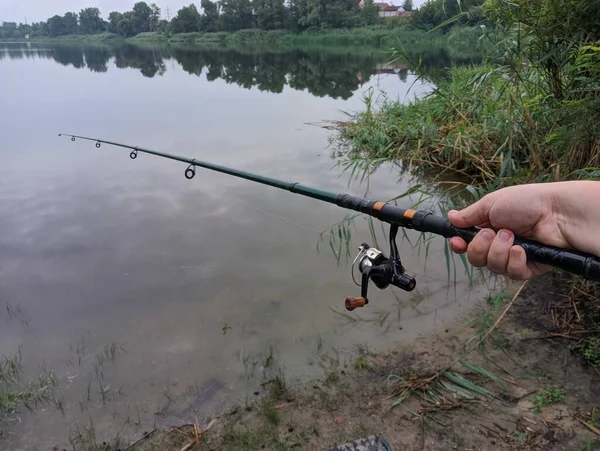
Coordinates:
575 262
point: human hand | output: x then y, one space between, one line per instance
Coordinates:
531 211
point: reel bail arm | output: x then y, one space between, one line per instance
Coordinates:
383 271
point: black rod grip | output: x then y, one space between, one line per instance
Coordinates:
575 262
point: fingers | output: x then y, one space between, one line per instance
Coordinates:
496 252
474 215
478 249
458 245
498 255
517 268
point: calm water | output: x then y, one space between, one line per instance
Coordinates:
193 280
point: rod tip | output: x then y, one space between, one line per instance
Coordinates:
60 134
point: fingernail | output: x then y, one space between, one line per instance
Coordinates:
452 212
504 236
487 236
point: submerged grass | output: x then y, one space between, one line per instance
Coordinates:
16 391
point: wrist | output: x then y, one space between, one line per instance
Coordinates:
576 210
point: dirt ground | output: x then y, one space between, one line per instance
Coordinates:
520 387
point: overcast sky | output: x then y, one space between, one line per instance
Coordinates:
36 10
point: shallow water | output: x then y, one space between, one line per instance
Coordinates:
193 281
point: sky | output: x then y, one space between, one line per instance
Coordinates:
36 10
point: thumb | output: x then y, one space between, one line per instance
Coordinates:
474 215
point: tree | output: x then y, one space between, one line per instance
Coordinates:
90 21
126 26
56 26
39 29
435 12
298 10
210 19
236 15
186 20
154 16
162 26
70 23
407 5
142 17
370 13
113 21
8 29
23 29
270 14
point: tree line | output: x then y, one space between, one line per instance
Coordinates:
142 18
212 16
233 15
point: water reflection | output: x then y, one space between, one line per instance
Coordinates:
335 75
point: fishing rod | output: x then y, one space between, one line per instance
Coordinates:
372 263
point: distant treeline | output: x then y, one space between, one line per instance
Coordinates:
224 15
233 15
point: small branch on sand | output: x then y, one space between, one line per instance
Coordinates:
198 435
143 438
287 404
594 429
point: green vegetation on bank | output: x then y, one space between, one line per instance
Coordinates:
77 38
373 36
530 113
461 41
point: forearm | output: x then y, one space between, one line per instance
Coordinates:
577 209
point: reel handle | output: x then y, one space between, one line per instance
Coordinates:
353 303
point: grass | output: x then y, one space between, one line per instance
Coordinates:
270 413
17 392
547 398
486 320
242 438
476 125
362 362
278 385
518 437
592 351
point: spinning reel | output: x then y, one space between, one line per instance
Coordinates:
383 271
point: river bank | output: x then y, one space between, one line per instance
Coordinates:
378 37
497 380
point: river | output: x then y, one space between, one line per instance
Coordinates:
153 298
